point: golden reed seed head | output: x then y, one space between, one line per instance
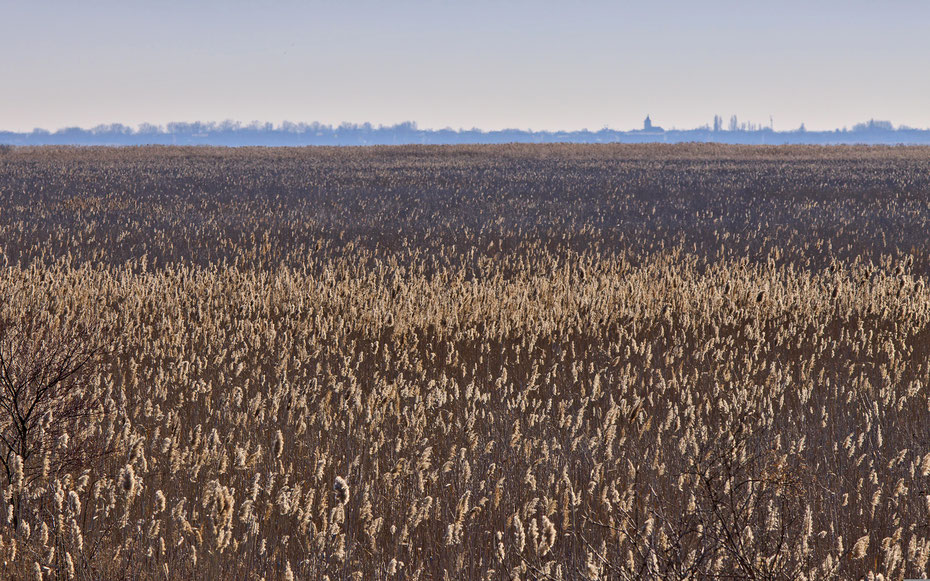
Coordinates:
341 488
859 549
74 503
288 572
18 476
278 447
925 466
160 501
128 481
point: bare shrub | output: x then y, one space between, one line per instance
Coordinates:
45 394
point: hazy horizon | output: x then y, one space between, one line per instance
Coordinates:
232 134
539 66
289 124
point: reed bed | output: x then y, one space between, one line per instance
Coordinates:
558 362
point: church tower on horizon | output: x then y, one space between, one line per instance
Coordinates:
649 127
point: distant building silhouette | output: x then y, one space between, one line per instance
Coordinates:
648 127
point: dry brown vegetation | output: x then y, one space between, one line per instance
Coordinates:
533 362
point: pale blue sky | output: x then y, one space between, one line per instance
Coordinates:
509 63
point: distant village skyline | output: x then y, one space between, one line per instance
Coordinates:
233 133
733 123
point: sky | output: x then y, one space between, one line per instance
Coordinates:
539 65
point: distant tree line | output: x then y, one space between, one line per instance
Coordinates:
232 133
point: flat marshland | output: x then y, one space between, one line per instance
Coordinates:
480 362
